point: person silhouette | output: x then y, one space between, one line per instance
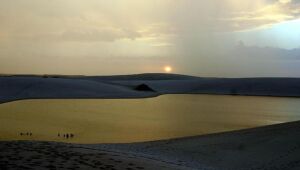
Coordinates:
67 135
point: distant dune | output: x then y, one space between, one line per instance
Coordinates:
67 87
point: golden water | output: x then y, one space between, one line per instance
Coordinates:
132 120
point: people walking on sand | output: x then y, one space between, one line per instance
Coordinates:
26 134
66 135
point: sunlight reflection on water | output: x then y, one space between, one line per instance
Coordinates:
132 120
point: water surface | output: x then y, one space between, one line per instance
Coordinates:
133 120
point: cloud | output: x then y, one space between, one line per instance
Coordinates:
271 12
105 35
190 33
86 21
269 53
285 1
93 20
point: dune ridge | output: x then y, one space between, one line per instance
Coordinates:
96 87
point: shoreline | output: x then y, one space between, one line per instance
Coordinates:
149 97
268 147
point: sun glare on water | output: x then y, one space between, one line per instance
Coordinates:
168 69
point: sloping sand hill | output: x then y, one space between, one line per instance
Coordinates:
275 147
16 88
87 87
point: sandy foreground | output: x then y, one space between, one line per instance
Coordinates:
51 155
266 148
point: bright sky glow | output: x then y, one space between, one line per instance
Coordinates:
100 37
168 69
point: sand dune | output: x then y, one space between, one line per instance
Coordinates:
16 88
62 87
266 148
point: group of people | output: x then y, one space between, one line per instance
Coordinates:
67 135
26 134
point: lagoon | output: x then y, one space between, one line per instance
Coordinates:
136 120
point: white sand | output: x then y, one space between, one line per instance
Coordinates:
268 148
84 87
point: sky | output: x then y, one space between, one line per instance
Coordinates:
215 38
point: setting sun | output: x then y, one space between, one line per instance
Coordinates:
168 69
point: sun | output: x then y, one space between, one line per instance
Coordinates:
168 69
